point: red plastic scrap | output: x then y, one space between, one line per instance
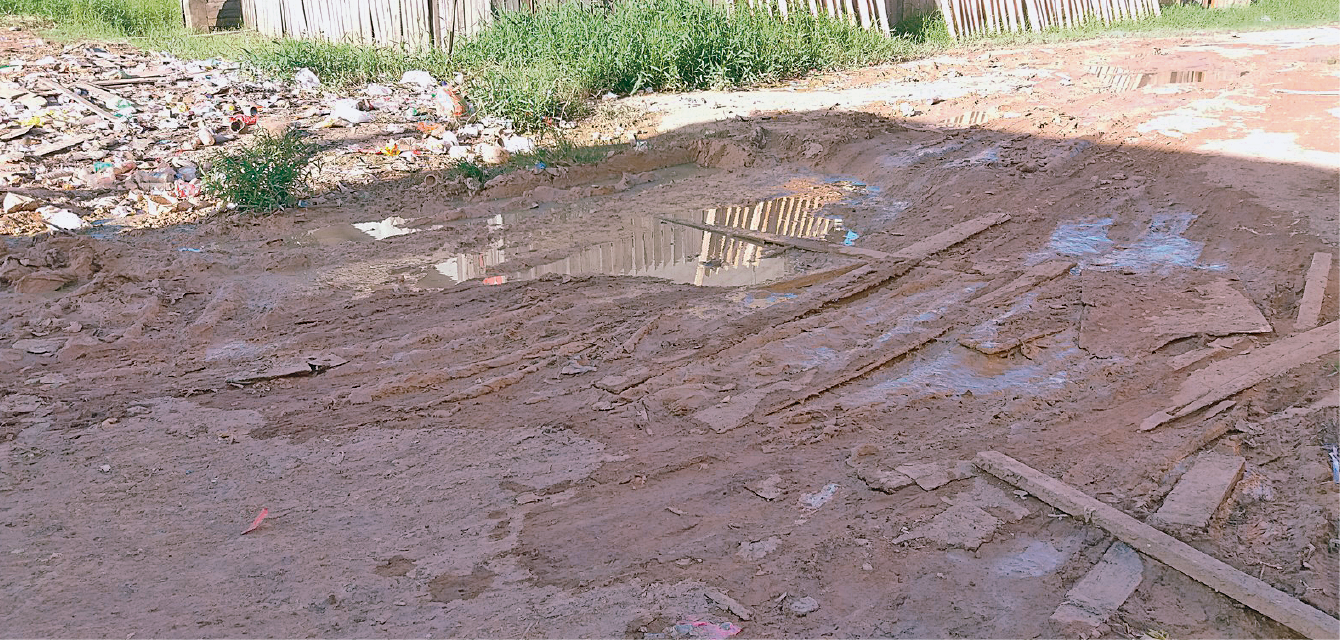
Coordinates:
256 524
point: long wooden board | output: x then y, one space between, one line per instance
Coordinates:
1227 377
1314 291
1254 593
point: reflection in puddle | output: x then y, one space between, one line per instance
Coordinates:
363 231
1159 247
388 228
674 252
1119 79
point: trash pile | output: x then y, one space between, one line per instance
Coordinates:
95 136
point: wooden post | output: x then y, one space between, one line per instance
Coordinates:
1235 584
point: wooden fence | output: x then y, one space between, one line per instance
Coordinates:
425 23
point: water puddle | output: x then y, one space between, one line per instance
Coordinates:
364 231
1119 79
670 251
1159 247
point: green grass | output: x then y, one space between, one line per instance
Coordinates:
113 19
529 67
550 64
1179 18
263 176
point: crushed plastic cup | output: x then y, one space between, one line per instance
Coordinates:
420 78
305 78
347 109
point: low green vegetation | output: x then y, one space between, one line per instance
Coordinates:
263 176
114 19
532 67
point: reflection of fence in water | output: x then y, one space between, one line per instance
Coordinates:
1119 79
653 249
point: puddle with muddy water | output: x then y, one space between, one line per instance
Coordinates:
1118 79
1159 247
670 251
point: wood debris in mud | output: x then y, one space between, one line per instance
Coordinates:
760 328
1227 377
1235 584
308 366
1314 291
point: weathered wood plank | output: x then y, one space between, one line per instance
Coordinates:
1314 291
1235 584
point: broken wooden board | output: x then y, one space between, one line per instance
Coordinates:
305 367
1102 590
49 148
923 249
1132 317
1199 492
1235 584
1034 276
961 525
70 93
1314 291
763 326
762 237
933 475
1227 377
1216 347
859 365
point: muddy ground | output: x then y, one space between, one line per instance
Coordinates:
523 416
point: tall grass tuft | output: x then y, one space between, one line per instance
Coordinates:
105 18
263 176
550 63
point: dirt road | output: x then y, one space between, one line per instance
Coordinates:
541 412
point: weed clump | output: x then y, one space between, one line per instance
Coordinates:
263 176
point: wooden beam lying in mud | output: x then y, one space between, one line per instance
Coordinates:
1227 377
1235 584
949 237
1314 290
860 365
1033 277
762 327
762 237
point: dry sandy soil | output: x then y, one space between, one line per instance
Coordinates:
521 417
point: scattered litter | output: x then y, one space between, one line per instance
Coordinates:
106 468
305 78
348 111
706 630
256 524
420 78
819 499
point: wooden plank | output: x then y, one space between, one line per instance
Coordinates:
1235 584
249 14
65 91
882 12
1227 377
1314 291
862 12
949 237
